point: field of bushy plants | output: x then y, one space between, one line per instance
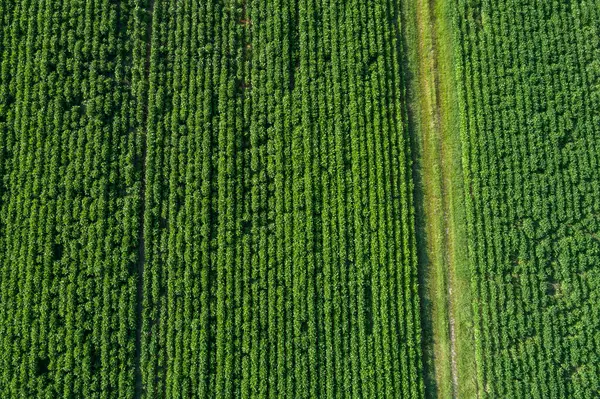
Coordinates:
205 199
531 151
69 199
280 253
253 198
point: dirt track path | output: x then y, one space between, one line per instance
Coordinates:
437 208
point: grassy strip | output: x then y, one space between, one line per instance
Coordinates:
436 261
444 269
456 214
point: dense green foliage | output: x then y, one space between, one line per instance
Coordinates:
279 238
531 142
205 199
69 200
215 198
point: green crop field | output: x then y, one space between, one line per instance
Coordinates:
531 139
299 199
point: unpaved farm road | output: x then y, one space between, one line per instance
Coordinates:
436 178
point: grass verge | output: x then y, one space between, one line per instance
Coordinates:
441 220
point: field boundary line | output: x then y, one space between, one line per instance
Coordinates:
435 206
443 261
447 240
